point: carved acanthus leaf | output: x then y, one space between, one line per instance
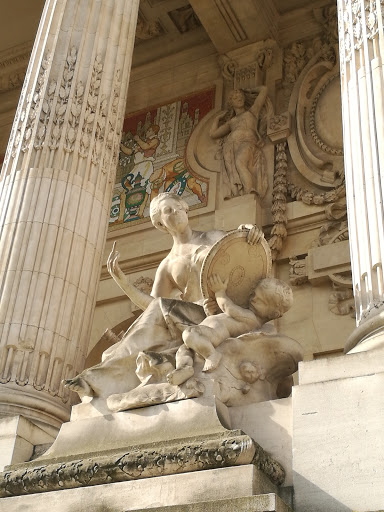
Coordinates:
31 109
91 108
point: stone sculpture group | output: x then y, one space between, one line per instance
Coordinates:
185 345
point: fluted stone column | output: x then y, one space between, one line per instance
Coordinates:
55 193
361 54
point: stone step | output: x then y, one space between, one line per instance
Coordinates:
260 503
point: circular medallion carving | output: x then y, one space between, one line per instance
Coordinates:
328 136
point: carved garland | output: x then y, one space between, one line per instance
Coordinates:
308 197
279 194
228 449
312 124
61 105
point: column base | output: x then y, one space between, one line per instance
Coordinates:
368 335
46 411
18 439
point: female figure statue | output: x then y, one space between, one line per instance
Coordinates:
243 158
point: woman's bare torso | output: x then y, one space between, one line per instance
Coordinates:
183 264
245 121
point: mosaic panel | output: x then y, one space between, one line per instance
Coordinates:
152 158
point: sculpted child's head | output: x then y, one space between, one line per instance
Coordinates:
271 298
249 372
156 204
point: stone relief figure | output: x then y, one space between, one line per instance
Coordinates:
244 168
174 304
270 299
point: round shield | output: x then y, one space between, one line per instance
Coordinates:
243 264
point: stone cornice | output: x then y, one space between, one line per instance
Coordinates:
15 54
13 65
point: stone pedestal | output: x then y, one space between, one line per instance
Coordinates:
19 439
269 423
175 454
338 434
55 194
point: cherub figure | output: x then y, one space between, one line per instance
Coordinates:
270 299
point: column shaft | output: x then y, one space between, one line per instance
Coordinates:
361 51
55 193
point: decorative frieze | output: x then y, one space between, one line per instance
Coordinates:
13 65
185 455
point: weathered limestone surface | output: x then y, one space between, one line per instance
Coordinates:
55 193
261 503
18 439
162 440
338 434
225 485
269 423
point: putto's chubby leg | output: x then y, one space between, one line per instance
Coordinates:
177 377
199 340
79 386
184 367
212 362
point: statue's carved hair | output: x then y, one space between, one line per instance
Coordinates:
278 294
154 209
